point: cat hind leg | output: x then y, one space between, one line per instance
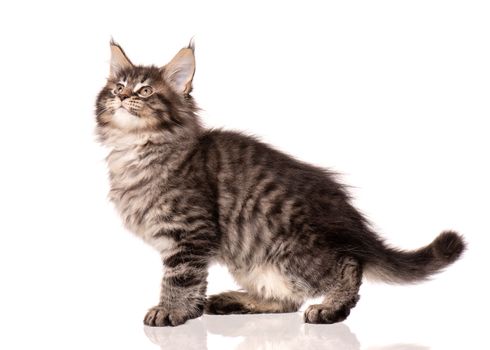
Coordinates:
341 297
245 303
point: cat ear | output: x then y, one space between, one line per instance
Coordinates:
180 70
119 60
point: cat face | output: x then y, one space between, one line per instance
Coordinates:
146 98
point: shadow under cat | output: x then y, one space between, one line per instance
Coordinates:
262 331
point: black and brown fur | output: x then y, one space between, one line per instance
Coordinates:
286 230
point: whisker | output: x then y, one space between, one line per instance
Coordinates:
105 109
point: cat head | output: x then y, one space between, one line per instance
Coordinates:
147 100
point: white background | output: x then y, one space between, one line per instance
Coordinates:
392 94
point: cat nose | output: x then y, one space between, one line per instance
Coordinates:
123 96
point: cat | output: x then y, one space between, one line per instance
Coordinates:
286 230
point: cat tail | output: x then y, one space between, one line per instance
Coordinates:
397 266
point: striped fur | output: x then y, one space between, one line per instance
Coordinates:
285 229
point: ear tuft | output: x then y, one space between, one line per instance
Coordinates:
192 45
119 60
180 70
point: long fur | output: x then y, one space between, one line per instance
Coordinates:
286 230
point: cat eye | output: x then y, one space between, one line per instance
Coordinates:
118 89
145 91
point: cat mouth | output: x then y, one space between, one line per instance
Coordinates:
127 110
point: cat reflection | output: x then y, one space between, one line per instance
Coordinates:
190 336
263 331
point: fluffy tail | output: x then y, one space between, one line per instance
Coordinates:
397 266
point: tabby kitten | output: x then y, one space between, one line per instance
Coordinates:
286 230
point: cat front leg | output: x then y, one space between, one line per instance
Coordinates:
183 289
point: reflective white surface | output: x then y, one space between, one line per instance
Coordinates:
261 332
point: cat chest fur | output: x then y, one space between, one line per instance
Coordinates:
137 190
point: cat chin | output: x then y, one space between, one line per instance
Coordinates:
123 119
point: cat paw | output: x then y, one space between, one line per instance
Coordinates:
160 316
320 313
226 303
